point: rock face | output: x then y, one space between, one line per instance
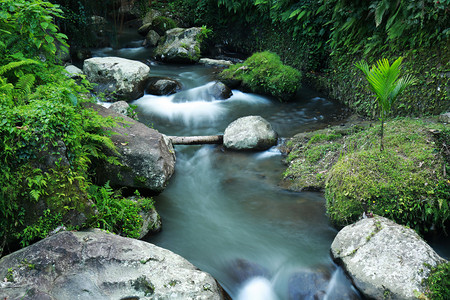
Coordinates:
73 71
249 133
162 86
148 160
118 78
100 265
180 45
384 259
151 39
215 62
220 91
445 118
120 107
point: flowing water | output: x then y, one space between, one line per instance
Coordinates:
224 211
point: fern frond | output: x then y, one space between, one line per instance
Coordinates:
17 64
23 86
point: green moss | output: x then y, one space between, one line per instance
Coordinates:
405 182
140 180
161 24
264 73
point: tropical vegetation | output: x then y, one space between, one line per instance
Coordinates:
48 141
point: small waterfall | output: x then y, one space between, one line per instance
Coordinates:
257 288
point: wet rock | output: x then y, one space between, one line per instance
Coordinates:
318 284
73 71
162 86
151 39
147 160
120 107
249 133
241 270
215 62
220 91
384 259
100 265
118 78
180 45
445 118
144 29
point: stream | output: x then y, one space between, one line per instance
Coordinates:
224 211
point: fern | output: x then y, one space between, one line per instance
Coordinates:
17 64
23 87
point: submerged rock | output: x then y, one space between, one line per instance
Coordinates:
220 91
249 133
147 159
162 86
100 265
384 259
118 78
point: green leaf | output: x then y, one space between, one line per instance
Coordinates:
44 25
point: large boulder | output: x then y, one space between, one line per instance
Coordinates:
118 78
180 45
147 158
100 265
249 133
385 260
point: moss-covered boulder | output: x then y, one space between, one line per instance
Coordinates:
408 182
161 24
264 73
180 45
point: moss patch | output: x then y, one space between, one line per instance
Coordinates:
264 73
161 24
408 182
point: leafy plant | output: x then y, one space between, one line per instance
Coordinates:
438 282
384 81
118 214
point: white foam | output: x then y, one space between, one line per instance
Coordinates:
257 288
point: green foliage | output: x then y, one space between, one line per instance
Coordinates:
47 138
384 81
405 182
438 282
161 24
118 214
36 35
264 73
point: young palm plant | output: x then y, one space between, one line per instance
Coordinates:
385 82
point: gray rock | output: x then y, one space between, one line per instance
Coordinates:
73 71
445 118
144 29
151 39
150 16
215 62
120 107
100 265
249 133
220 91
162 86
118 78
181 45
148 162
384 259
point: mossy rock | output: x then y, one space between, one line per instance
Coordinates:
161 24
406 182
264 73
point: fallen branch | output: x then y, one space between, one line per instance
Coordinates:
196 140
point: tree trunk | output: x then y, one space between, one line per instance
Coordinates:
196 140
